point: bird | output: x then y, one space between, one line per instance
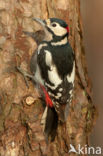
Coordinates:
37 36
53 68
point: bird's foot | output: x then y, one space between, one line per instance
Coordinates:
25 75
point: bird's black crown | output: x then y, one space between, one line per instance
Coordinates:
60 21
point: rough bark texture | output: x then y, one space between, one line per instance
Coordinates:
20 109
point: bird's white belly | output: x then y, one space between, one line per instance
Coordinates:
37 77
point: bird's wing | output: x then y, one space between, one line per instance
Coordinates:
46 66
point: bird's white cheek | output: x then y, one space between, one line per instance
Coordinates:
59 31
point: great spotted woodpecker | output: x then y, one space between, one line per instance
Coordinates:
53 68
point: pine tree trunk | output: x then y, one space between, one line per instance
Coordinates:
20 109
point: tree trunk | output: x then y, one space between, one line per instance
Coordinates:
20 109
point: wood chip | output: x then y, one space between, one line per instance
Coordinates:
30 100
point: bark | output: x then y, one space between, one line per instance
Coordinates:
20 109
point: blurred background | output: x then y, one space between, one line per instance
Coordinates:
92 16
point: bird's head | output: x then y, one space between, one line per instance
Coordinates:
55 29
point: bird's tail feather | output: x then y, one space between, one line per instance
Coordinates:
50 122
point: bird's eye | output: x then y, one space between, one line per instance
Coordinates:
54 25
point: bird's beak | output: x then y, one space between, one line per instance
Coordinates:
41 22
